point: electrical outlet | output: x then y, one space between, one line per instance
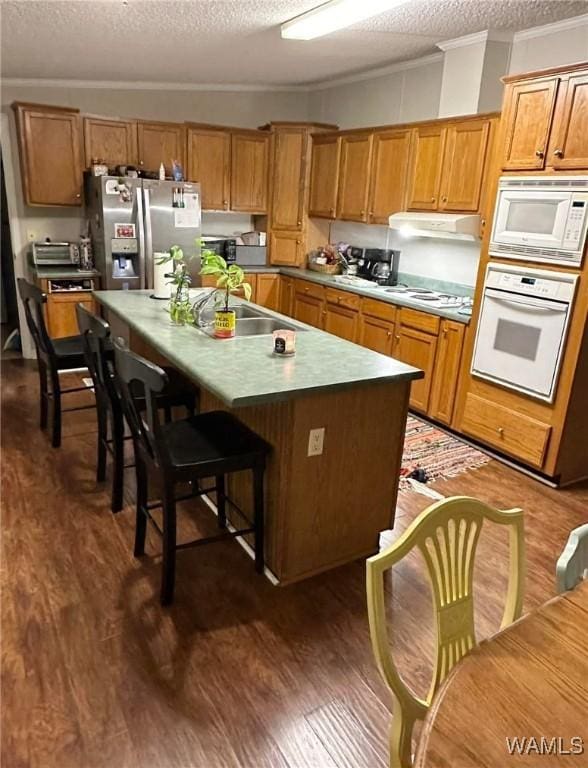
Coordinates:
32 235
316 438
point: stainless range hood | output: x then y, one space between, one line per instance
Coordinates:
458 226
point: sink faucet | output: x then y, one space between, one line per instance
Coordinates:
199 306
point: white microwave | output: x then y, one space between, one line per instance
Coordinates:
541 218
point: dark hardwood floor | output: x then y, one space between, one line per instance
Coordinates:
237 672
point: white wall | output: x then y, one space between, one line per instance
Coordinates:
401 96
550 46
455 261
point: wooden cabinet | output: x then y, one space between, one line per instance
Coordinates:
428 147
286 291
569 141
160 143
445 376
464 162
309 303
209 163
324 176
417 349
268 290
50 154
249 171
353 183
111 140
376 334
341 316
390 159
527 123
287 248
508 430
288 174
61 312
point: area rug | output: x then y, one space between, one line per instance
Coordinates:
431 454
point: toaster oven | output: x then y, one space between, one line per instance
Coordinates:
48 254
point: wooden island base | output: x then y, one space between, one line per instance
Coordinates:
322 511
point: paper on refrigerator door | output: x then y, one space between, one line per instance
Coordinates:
188 217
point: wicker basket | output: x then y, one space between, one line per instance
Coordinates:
326 269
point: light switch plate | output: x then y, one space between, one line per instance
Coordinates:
316 438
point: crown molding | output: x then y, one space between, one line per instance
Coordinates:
140 85
374 73
549 29
486 35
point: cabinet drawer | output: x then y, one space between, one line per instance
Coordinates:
505 429
343 298
421 321
378 309
310 289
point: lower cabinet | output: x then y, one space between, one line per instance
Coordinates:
341 316
418 349
447 364
308 309
286 292
268 291
61 312
376 326
510 431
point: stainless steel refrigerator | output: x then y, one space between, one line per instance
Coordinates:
131 219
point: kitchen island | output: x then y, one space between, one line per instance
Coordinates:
321 510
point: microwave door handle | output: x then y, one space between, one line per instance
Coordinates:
536 308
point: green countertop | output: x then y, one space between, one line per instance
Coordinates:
379 293
244 371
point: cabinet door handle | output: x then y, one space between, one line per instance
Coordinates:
539 153
141 162
306 289
500 431
298 242
362 213
389 334
298 223
432 199
397 338
370 214
226 203
338 299
558 152
332 211
444 198
78 195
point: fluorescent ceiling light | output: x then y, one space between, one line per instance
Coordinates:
334 15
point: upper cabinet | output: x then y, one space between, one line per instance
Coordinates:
427 165
354 169
324 176
464 161
50 154
288 175
110 140
390 158
569 145
249 171
160 143
527 121
209 163
545 121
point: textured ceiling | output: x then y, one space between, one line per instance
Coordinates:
236 41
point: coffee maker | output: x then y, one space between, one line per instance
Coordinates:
379 265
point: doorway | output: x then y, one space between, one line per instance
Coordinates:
10 343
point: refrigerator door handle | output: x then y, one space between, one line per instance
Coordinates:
148 242
141 235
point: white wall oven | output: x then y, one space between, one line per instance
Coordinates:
541 218
522 329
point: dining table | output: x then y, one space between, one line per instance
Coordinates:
520 698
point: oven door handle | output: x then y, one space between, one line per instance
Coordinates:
537 308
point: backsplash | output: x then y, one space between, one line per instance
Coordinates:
227 224
455 261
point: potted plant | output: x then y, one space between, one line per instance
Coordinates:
180 309
229 280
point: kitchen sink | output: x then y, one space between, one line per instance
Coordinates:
243 310
262 326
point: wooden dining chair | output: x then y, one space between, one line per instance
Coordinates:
572 565
446 534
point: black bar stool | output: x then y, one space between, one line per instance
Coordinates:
211 444
53 355
97 345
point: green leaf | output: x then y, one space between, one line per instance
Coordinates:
210 270
246 290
